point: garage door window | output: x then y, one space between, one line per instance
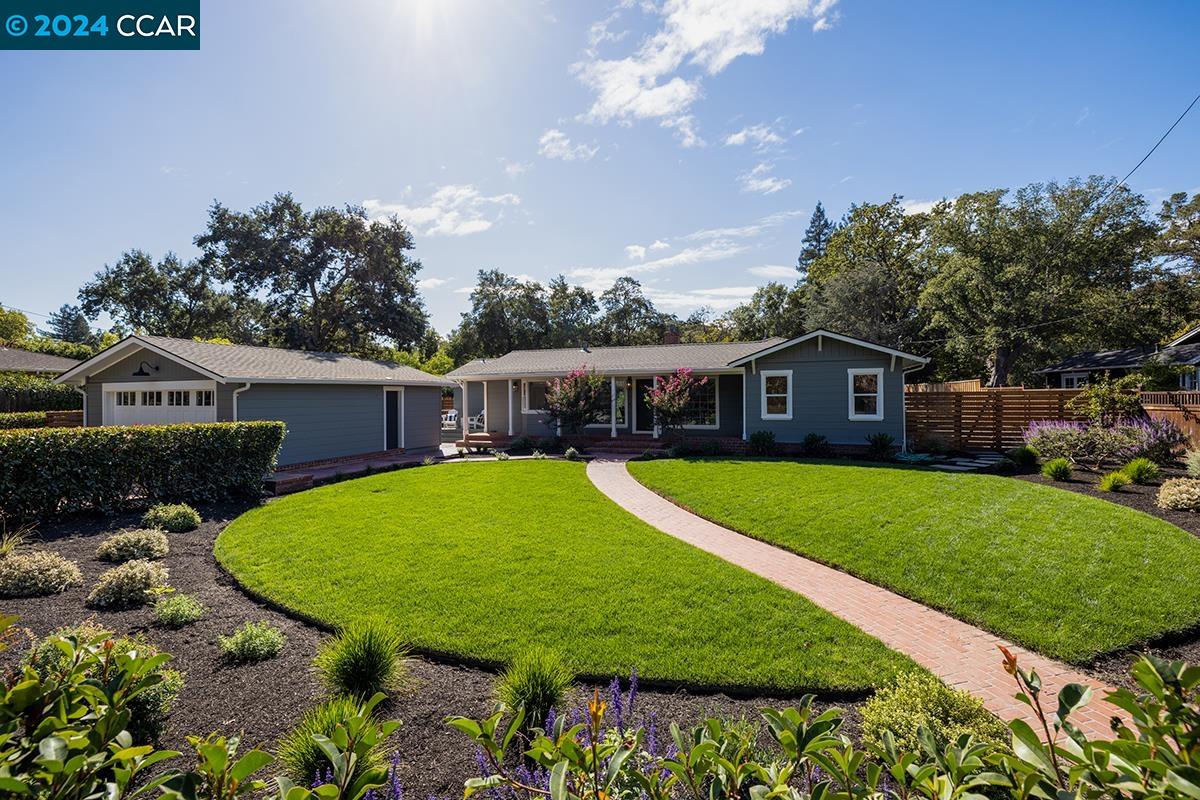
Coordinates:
179 398
204 398
126 398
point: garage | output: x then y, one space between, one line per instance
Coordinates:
162 403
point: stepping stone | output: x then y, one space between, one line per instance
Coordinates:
951 468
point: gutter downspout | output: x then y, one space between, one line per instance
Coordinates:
83 392
904 406
236 392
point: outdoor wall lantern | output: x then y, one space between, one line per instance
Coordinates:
141 370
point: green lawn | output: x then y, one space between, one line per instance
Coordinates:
481 560
1068 575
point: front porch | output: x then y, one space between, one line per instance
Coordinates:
587 442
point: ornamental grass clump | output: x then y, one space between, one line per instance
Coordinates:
1142 471
1057 469
177 610
918 699
502 456
1113 482
144 543
536 681
1191 462
128 585
251 643
302 758
37 573
1024 456
365 658
1180 494
571 454
172 517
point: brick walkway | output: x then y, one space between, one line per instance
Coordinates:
960 654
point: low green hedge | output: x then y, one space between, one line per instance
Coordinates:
47 471
33 393
22 419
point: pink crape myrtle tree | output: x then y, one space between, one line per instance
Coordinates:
669 400
577 400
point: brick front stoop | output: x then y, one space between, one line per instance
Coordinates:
962 655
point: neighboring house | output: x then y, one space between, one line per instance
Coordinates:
15 360
1077 370
822 382
334 405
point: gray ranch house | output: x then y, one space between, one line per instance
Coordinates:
334 405
822 382
1078 370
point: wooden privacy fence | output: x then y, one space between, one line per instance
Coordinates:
1182 408
970 385
992 419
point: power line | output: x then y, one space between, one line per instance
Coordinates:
26 311
1106 195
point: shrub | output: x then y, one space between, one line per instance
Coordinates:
177 610
127 585
302 757
173 517
918 699
37 573
253 642
538 454
1057 469
1105 401
535 680
547 445
708 447
1181 494
46 471
1192 463
933 443
150 709
1006 466
135 544
1080 442
1024 456
23 419
501 455
365 658
879 445
32 393
815 446
1113 482
571 454
1159 440
1142 471
521 444
762 443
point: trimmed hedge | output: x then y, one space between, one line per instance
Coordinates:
47 471
21 392
22 419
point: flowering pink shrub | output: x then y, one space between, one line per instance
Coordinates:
670 397
577 400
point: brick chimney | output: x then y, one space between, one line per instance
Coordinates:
671 336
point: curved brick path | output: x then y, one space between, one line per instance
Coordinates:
960 654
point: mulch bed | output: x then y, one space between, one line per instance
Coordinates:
263 701
1114 667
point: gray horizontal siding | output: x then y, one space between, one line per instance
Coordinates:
168 370
323 421
820 393
422 417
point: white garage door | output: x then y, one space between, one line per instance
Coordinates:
160 403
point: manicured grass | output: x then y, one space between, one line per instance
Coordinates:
1068 575
484 560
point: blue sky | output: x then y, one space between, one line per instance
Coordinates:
682 142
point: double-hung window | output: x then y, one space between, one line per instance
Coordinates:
533 397
866 394
776 393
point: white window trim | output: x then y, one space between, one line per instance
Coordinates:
763 374
1076 376
621 407
850 375
525 409
716 382
1189 380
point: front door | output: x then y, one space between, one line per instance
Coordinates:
643 416
391 417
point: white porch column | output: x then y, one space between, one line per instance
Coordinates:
508 389
487 421
612 398
465 410
656 431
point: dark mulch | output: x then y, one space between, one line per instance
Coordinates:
1114 667
263 701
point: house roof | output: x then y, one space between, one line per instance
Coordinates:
1191 337
1127 358
250 364
649 359
13 359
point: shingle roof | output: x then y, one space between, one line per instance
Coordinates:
239 362
643 358
1127 358
15 360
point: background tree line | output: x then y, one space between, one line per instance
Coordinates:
992 284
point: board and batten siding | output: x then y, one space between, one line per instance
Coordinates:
821 393
168 370
422 417
323 420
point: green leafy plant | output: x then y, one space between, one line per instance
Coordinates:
762 443
300 751
219 772
22 419
48 471
880 445
37 394
535 681
1057 469
428 461
127 585
37 573
538 454
366 658
1024 456
521 444
571 454
815 445
919 700
177 610
143 543
1142 471
172 517
252 642
1180 494
1105 401
1191 462
501 455
1113 482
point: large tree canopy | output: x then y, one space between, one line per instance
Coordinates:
329 279
773 310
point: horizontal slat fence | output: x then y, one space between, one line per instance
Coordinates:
992 419
970 385
1182 408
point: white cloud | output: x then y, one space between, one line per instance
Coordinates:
432 283
720 298
514 169
824 23
773 271
1083 116
556 144
762 136
659 244
749 231
706 35
918 206
454 210
760 180
635 251
599 278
